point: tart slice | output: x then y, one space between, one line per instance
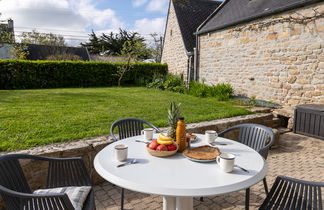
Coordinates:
202 153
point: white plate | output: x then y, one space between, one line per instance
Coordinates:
198 160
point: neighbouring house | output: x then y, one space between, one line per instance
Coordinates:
7 36
7 26
184 17
42 52
270 49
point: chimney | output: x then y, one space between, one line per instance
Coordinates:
10 25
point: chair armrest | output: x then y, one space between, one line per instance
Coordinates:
20 200
62 172
42 158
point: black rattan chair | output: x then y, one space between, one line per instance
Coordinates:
259 138
289 193
62 172
129 127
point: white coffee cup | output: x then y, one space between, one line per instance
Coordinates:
226 162
121 152
210 136
148 133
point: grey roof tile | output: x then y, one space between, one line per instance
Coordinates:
190 14
233 12
41 52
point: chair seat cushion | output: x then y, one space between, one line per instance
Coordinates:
77 195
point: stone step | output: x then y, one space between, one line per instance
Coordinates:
260 109
277 138
283 130
276 122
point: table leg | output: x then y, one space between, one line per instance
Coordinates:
184 203
169 203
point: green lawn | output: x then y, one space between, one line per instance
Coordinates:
30 118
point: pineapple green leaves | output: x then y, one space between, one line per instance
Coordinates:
174 113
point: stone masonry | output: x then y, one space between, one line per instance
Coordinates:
278 58
174 52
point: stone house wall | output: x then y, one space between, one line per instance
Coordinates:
274 58
174 52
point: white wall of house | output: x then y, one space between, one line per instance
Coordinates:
6 51
174 52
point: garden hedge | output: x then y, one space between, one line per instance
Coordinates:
18 74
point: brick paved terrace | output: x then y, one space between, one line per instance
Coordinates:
297 156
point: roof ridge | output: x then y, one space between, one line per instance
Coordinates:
226 16
212 14
208 1
190 14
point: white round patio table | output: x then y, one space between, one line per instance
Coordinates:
177 178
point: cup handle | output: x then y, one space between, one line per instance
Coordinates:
142 132
217 159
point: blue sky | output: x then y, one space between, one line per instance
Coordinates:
74 19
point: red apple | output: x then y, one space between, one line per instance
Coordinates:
172 147
153 145
162 147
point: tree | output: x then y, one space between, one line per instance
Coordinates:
35 37
156 48
113 43
17 51
133 51
94 45
6 37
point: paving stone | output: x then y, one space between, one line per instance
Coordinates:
297 156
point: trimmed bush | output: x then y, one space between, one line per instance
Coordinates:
174 83
221 92
18 74
198 89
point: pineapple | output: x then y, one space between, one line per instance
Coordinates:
173 115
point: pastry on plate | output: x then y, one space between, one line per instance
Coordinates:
191 137
202 153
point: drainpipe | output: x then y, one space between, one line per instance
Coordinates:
196 51
189 54
196 59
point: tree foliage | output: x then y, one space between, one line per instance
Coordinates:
113 43
35 37
17 51
156 48
6 37
95 45
133 51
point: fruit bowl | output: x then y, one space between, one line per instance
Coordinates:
157 153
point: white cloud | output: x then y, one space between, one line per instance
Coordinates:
152 5
101 18
75 18
69 17
148 26
138 3
157 5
